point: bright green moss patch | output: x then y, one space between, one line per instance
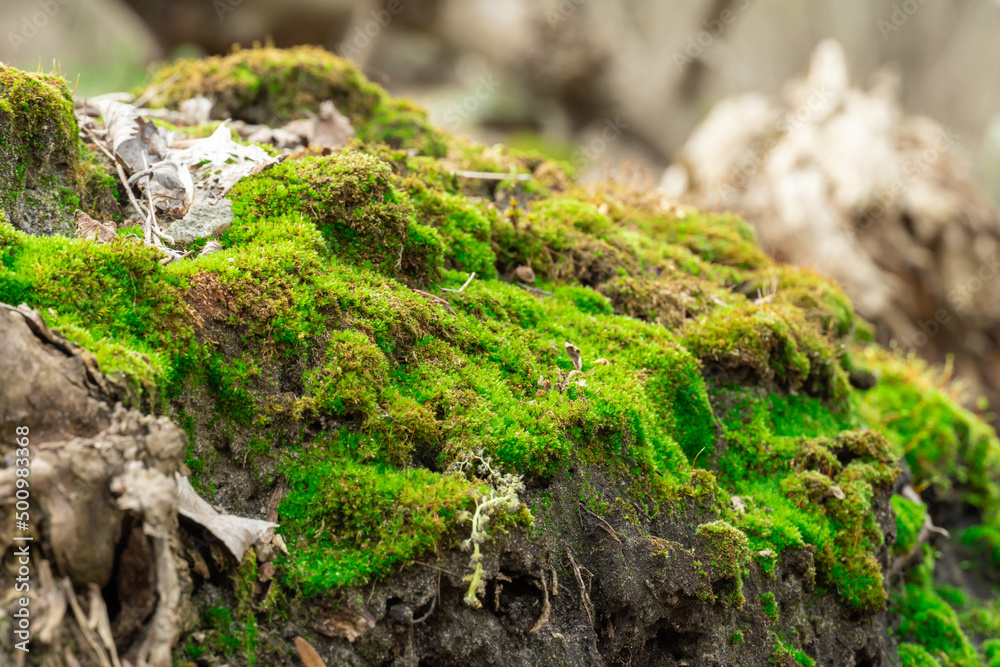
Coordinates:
767 343
944 444
356 521
819 491
914 655
769 605
909 518
348 196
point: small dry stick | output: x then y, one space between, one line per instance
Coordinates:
543 618
584 597
491 175
464 285
604 524
149 94
435 298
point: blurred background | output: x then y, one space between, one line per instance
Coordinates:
874 158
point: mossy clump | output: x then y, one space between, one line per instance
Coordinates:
39 149
728 554
768 344
910 518
274 86
370 518
350 197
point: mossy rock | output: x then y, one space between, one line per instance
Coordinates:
39 150
274 86
705 457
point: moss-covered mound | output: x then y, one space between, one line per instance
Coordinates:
46 172
274 86
707 468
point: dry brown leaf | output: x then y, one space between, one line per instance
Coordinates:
237 533
574 353
136 142
210 247
93 230
308 654
346 625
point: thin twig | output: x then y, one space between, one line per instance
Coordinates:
604 524
584 596
464 285
149 94
435 298
533 290
491 175
433 604
543 618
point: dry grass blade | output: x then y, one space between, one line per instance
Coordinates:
308 654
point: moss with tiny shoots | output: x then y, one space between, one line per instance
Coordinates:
338 342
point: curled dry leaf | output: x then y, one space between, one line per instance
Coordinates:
136 143
237 533
837 492
347 625
196 111
738 504
90 229
210 247
574 353
308 654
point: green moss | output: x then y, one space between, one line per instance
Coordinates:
768 343
39 148
909 519
914 655
929 621
728 554
355 521
769 605
463 226
785 654
348 196
944 444
267 85
736 637
301 347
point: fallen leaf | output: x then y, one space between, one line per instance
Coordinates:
237 533
308 654
574 353
346 625
93 230
132 138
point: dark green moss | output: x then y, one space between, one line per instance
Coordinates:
728 554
